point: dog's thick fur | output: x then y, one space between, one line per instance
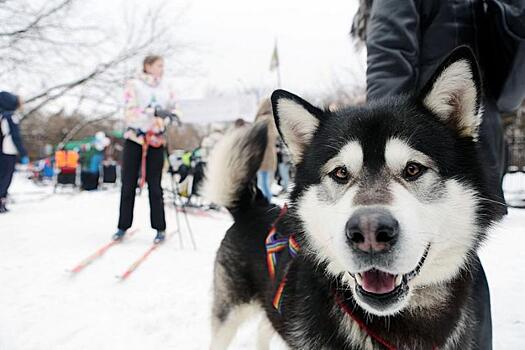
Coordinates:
443 214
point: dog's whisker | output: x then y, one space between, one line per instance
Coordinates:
492 201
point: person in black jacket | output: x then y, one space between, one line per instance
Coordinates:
11 144
406 41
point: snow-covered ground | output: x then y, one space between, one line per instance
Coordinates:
165 304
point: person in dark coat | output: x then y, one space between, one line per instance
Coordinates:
406 41
11 144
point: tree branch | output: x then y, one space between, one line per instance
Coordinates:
38 19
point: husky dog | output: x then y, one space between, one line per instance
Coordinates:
388 210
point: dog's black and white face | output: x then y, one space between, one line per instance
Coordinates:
388 195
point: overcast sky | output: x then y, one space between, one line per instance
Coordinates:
234 41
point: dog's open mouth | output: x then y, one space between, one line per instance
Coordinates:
379 284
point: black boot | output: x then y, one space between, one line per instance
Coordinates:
160 237
3 202
119 235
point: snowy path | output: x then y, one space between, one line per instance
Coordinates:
165 303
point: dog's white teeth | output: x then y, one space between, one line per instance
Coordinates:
359 278
399 278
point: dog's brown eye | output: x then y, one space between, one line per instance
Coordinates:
413 171
340 174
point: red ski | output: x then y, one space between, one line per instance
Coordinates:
99 252
144 256
139 261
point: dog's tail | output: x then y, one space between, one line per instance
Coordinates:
232 166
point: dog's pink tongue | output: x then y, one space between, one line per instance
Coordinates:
378 282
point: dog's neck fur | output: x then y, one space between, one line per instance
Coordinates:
431 320
410 329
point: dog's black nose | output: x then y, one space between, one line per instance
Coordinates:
372 230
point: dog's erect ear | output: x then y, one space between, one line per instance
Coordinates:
297 121
454 92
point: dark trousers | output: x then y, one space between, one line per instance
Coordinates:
131 162
492 144
7 168
481 297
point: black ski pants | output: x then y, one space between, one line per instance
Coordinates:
131 163
7 168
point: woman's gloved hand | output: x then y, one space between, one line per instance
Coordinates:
168 116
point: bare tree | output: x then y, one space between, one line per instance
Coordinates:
34 36
350 90
50 48
187 137
61 128
259 91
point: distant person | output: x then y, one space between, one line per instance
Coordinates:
269 162
148 100
11 145
283 164
92 158
239 123
209 141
